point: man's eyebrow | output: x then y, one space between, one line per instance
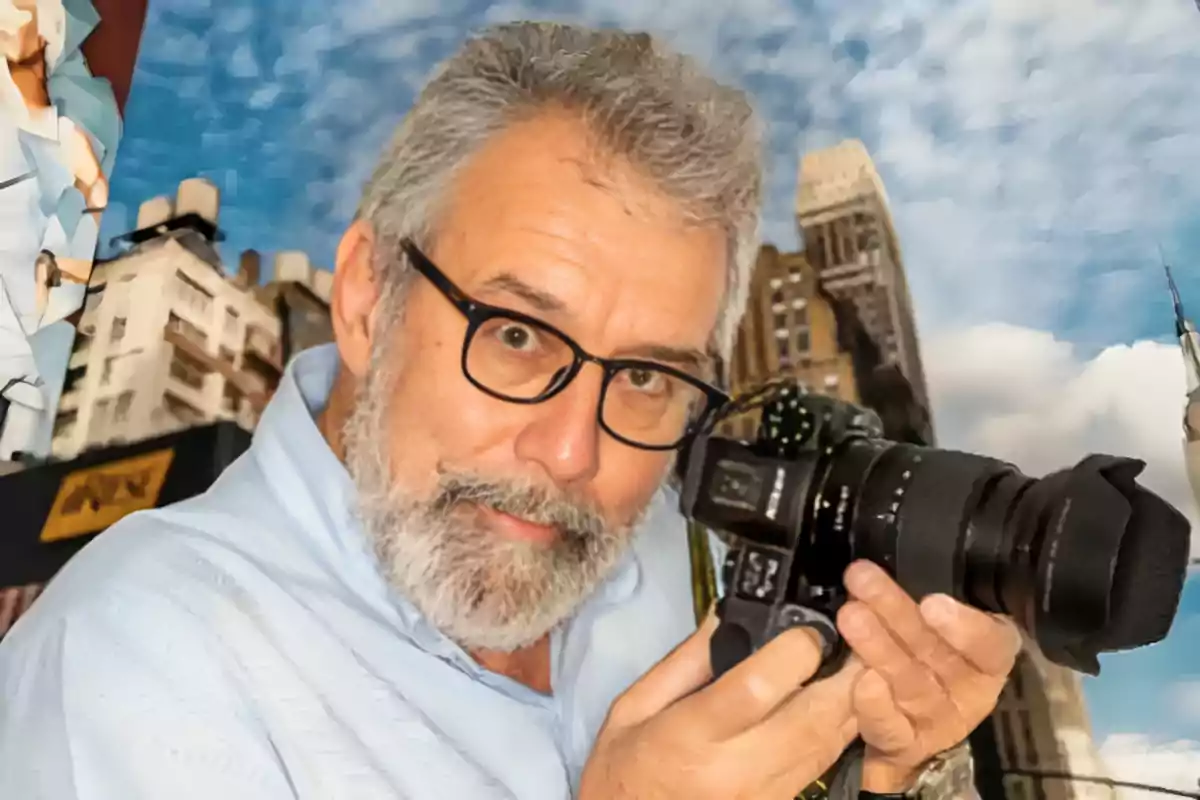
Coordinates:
539 299
692 361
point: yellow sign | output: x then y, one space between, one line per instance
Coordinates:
91 499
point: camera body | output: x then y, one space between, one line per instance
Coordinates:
1084 560
779 575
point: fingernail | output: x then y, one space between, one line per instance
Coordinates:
938 609
860 576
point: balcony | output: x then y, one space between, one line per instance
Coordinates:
264 347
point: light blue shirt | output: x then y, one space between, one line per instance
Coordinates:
244 644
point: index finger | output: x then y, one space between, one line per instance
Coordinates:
748 693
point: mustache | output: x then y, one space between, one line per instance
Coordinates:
577 520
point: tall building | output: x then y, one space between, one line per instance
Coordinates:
167 340
1189 343
1041 725
793 326
842 211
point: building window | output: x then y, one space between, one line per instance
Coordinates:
801 316
64 424
777 298
232 399
781 321
193 294
803 342
181 411
107 371
188 370
231 320
186 329
118 329
1010 740
99 420
1030 745
121 410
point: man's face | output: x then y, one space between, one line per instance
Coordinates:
19 37
497 519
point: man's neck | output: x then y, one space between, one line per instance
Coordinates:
529 666
30 79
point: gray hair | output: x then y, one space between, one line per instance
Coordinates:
697 140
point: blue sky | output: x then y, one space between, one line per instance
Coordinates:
1035 154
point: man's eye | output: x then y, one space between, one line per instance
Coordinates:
646 380
516 336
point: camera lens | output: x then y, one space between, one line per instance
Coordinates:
1084 559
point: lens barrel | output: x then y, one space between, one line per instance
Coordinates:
1084 560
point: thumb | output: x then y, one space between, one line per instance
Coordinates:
684 670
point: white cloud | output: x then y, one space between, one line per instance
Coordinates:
1184 697
1031 148
1034 151
1024 396
1142 759
242 64
264 96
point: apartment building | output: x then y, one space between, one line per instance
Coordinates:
167 340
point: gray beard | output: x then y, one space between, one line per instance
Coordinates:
482 591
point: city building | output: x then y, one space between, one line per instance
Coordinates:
167 340
1041 725
794 327
1189 343
842 212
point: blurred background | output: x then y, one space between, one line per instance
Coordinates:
971 206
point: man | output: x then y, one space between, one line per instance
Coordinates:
480 603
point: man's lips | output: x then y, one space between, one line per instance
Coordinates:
517 529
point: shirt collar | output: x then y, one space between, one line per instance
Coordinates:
297 461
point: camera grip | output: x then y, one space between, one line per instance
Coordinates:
735 640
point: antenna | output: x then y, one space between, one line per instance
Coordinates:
1181 324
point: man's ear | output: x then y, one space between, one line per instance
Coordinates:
355 297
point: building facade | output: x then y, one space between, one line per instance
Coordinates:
167 340
843 215
793 327
1041 725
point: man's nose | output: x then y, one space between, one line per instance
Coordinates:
563 438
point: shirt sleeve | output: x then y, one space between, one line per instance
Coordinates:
127 700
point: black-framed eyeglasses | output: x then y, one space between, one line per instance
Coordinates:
521 359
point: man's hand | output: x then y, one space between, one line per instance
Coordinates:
753 733
934 672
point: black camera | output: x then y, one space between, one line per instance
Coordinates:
1084 560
